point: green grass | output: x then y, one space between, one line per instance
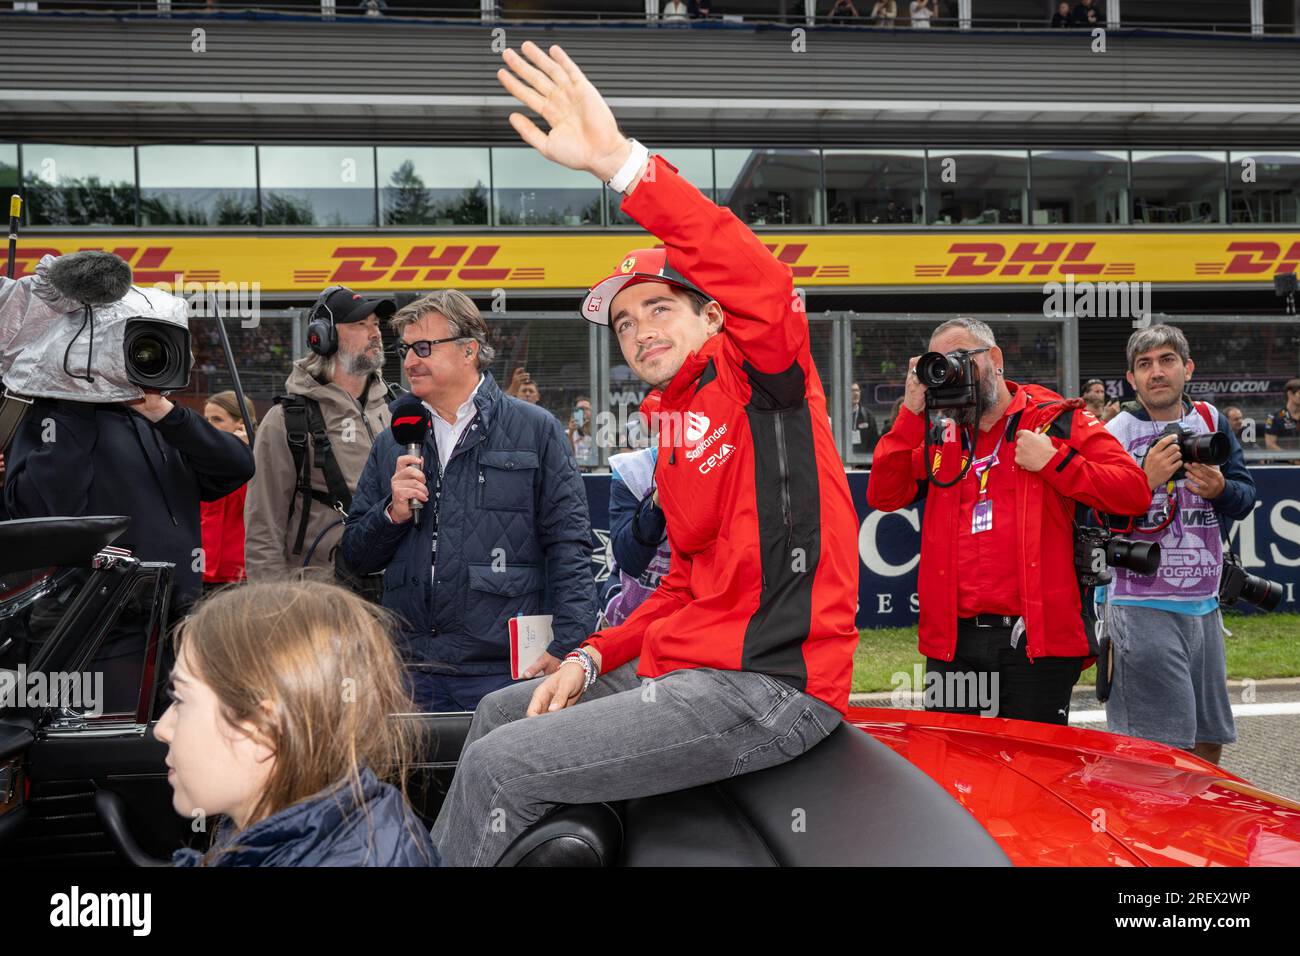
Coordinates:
1262 645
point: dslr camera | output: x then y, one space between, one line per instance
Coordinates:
950 380
1096 549
1236 583
1211 449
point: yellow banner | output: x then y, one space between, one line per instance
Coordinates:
556 261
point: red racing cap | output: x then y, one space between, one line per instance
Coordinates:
639 265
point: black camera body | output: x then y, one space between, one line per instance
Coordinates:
1096 549
949 380
1211 449
157 354
1236 583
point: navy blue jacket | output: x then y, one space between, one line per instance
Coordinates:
329 829
73 458
636 528
514 537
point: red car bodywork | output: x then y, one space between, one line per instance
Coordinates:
1065 796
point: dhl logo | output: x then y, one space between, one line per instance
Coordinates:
792 252
469 263
1026 258
147 264
1253 258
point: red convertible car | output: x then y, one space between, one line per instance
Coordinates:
86 785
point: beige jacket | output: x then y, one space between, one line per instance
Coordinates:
269 532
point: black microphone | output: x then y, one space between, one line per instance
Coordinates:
410 426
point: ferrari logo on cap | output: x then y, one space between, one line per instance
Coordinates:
627 265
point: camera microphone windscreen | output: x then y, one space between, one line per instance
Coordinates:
411 423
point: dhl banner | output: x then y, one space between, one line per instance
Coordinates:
279 263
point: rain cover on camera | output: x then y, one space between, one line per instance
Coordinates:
38 323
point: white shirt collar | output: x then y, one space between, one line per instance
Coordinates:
466 407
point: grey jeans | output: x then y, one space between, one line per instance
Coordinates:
625 737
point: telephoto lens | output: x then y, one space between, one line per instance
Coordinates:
1239 584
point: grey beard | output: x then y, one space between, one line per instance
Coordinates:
986 397
360 363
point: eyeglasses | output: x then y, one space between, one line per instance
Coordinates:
424 347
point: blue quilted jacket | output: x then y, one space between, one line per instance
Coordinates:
514 537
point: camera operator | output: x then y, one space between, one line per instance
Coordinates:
999 600
1169 681
314 442
503 529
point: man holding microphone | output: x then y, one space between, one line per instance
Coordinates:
746 648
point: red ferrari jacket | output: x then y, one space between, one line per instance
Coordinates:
1089 467
764 536
222 523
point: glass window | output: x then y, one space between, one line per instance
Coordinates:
8 168
530 190
874 186
1178 187
770 187
977 187
1265 187
79 185
694 165
1079 186
433 186
318 185
198 186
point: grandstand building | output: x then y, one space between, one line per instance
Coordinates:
989 165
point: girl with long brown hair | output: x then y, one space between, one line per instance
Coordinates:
281 724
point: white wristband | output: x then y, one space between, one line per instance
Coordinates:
635 160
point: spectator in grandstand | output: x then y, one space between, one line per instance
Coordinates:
373 8
864 434
1166 630
1086 14
503 529
921 14
222 521
530 393
313 444
1000 602
1062 16
1282 428
675 10
700 9
842 12
259 735
884 13
1094 395
1236 420
638 536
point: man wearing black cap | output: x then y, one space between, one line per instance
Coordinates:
313 444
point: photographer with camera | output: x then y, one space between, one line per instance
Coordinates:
999 602
314 442
1169 680
100 438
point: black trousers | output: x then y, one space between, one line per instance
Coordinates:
986 668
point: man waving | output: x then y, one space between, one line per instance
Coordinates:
746 648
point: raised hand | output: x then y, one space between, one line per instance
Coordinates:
583 132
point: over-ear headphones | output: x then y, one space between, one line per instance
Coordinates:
322 336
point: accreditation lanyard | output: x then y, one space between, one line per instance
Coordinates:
981 518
